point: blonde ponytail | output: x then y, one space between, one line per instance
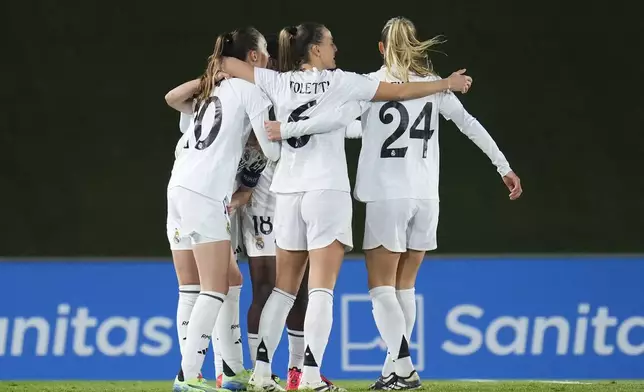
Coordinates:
214 66
286 59
404 53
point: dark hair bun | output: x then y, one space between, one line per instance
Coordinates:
292 30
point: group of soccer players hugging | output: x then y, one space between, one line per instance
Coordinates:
262 163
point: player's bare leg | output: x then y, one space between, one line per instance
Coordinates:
229 355
325 265
398 372
212 259
290 268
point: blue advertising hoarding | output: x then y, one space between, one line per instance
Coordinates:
489 318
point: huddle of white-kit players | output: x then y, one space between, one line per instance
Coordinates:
283 191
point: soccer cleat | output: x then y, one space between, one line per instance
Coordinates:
293 379
264 384
194 385
219 380
383 383
406 383
238 382
320 387
328 382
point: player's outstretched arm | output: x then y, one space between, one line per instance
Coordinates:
180 97
238 69
452 109
321 122
457 81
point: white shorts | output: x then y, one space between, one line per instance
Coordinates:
195 219
313 220
401 224
257 230
235 232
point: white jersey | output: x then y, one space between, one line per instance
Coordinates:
220 129
262 195
185 122
400 156
312 162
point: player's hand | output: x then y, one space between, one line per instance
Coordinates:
235 203
513 182
458 81
273 130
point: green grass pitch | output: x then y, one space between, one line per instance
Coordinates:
438 386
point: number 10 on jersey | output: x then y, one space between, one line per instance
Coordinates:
425 133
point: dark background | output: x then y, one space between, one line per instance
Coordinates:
87 140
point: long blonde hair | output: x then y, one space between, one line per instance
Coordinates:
404 53
235 44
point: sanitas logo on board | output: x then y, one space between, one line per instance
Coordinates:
528 336
151 337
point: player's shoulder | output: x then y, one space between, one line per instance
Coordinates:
381 74
244 89
239 84
339 73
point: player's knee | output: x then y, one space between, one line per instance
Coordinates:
235 277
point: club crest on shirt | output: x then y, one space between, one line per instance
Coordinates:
259 242
177 236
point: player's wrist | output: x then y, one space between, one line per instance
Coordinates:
286 130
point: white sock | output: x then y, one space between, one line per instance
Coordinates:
407 300
228 337
219 361
202 321
253 341
317 328
295 349
187 296
390 321
271 326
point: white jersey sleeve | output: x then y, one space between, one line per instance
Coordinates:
452 109
344 116
268 80
257 105
354 130
357 87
